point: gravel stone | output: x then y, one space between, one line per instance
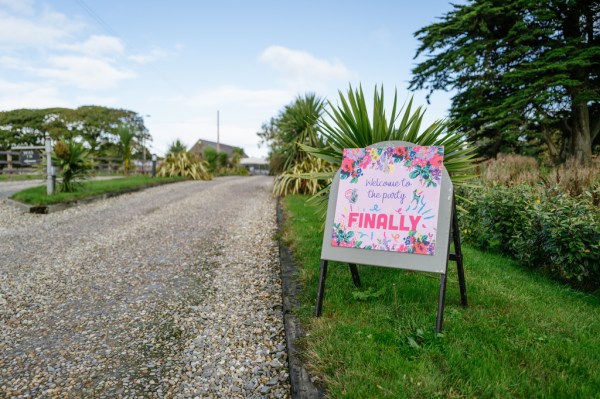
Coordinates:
173 292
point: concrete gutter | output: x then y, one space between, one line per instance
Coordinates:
302 384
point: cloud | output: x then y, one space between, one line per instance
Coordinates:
29 95
10 62
229 94
85 72
151 56
42 30
302 70
28 35
98 46
19 6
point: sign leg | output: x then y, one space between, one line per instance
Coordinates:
354 272
458 255
321 290
440 313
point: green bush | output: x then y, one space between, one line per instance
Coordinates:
543 228
74 162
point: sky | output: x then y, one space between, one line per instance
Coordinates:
178 62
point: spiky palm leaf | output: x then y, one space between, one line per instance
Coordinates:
126 140
352 127
298 124
184 164
74 161
296 180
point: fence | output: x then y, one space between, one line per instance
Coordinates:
11 162
107 165
17 162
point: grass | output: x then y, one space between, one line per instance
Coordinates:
37 195
523 335
14 177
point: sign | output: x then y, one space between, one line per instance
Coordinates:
391 205
388 199
434 262
29 157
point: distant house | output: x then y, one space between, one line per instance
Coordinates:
201 144
256 166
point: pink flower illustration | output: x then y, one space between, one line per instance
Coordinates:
347 165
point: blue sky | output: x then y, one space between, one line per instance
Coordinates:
181 61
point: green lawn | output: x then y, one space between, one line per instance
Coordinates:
14 177
523 335
37 195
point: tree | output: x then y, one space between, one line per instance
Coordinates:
176 146
93 125
126 142
296 123
237 154
215 159
522 69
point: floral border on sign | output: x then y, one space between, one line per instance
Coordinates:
423 162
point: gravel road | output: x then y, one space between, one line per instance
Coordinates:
172 292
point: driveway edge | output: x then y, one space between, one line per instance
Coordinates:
45 209
302 386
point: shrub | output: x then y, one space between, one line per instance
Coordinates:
544 228
74 162
295 181
184 164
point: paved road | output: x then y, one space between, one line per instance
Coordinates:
172 292
8 188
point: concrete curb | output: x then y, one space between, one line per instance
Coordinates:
302 386
45 209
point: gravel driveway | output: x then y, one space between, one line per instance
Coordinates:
8 188
169 292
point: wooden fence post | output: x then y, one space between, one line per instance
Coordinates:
9 166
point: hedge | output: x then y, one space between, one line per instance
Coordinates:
544 228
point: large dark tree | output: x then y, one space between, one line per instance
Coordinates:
523 70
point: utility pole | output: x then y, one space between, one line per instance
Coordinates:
49 180
218 138
144 150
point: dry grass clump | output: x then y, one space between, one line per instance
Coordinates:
511 169
575 179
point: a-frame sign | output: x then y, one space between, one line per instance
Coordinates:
421 230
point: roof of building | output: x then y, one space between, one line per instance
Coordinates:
198 148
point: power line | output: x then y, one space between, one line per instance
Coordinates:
104 25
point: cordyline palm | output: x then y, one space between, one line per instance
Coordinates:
184 164
74 161
126 141
352 127
299 126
